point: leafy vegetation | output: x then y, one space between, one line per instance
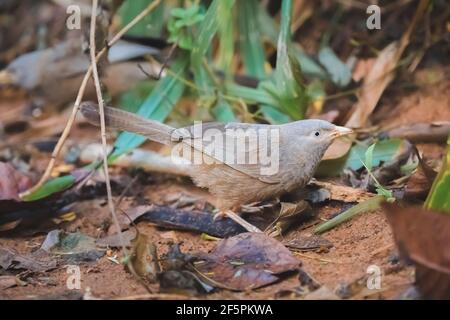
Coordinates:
438 198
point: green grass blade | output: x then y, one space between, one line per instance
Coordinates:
270 32
252 52
274 115
202 76
369 157
250 94
52 186
226 40
223 111
151 25
366 206
208 29
250 44
286 82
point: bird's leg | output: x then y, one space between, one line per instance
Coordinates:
259 206
236 218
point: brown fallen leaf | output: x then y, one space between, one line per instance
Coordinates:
362 68
246 261
338 148
12 182
419 184
374 84
37 261
376 80
422 237
144 258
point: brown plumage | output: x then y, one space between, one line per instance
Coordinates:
295 150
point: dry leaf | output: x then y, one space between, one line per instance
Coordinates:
422 237
12 182
362 68
144 258
375 82
247 261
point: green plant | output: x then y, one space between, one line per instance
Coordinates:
371 204
439 197
368 164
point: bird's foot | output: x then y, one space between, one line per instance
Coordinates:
219 215
236 218
259 207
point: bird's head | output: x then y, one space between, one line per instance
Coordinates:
318 131
315 136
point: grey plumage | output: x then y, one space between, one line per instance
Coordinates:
299 146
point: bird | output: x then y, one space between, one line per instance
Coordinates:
64 65
239 163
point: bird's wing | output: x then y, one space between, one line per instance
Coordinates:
241 146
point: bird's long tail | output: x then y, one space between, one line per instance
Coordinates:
126 121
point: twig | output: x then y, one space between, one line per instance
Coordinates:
296 253
101 107
80 95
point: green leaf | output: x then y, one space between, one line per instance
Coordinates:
250 95
308 65
207 30
203 76
250 44
369 157
383 151
270 31
157 106
61 183
285 83
181 24
439 197
387 194
340 73
274 115
52 186
223 111
151 25
252 52
315 92
226 40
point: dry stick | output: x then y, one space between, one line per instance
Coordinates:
80 95
101 106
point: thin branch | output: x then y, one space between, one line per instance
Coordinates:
101 107
80 95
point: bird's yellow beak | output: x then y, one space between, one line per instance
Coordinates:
340 131
6 78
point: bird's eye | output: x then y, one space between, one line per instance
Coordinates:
317 133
